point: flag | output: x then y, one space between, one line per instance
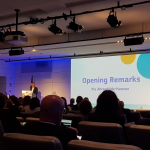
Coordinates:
31 82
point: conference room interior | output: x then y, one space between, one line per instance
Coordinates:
70 62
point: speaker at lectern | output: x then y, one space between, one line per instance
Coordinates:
26 93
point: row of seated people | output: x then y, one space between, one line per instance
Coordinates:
32 107
84 106
51 110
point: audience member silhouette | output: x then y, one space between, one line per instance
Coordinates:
65 105
13 104
125 111
85 108
78 100
71 103
51 111
107 109
34 103
33 107
7 117
26 100
26 103
20 101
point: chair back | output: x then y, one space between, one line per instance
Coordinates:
124 118
101 132
135 116
1 135
73 111
1 130
17 141
140 136
143 121
20 119
88 145
31 120
24 115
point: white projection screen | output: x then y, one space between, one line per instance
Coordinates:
127 75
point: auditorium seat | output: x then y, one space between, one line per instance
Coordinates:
20 119
31 120
19 141
88 145
91 117
75 112
140 136
36 114
25 115
127 128
1 135
144 113
124 117
143 121
135 116
101 132
75 119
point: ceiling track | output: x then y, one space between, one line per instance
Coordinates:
126 35
59 48
75 14
75 56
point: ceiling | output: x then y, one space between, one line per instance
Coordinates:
44 8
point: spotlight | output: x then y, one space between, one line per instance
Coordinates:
112 19
54 29
34 21
75 27
65 16
1 37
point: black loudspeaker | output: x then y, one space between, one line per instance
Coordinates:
133 41
16 52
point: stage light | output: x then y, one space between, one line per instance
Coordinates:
14 52
54 29
1 37
133 41
112 19
65 16
75 27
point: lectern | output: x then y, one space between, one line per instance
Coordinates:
26 93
